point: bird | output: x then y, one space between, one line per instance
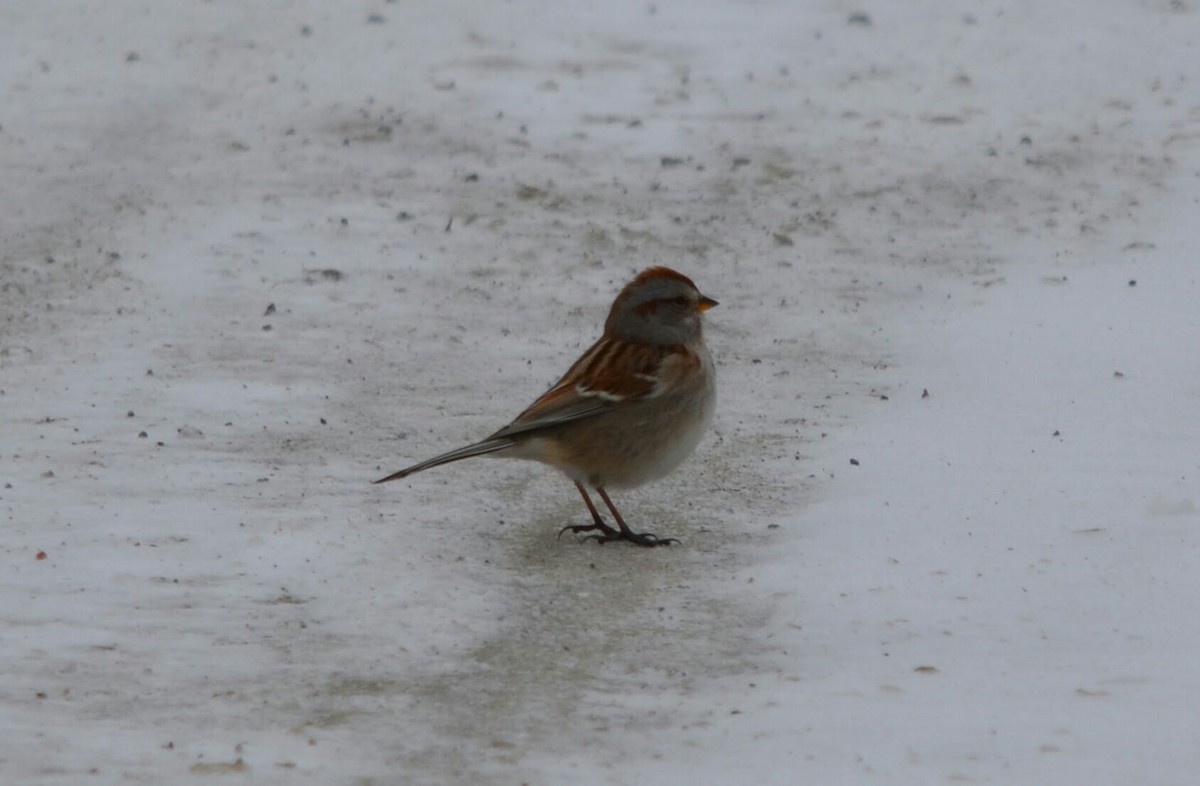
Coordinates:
629 411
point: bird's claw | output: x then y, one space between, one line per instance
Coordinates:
646 539
608 535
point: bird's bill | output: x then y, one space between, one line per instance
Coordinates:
705 304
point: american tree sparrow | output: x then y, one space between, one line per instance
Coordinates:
629 411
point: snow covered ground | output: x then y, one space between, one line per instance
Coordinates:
256 254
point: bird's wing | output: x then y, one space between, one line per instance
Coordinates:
609 373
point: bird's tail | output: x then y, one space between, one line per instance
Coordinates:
478 449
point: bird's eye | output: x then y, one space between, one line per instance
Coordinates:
680 301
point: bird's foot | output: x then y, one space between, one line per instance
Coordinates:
607 535
640 538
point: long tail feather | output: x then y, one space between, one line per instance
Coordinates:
478 449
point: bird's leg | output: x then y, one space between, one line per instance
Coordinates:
597 522
640 538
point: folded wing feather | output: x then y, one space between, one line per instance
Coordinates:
607 374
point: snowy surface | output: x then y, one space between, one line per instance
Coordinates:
993 202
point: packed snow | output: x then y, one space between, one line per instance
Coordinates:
945 526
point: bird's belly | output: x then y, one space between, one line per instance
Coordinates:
630 447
